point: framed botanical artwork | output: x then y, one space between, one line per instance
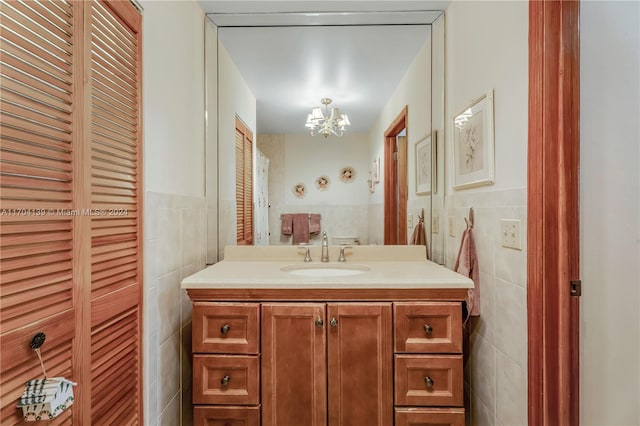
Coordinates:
473 149
375 170
424 166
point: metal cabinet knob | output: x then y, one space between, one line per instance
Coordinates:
319 323
225 329
333 322
428 329
428 381
225 381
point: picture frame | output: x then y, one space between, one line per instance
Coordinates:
473 144
424 166
375 170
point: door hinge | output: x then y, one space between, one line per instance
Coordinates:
395 156
576 288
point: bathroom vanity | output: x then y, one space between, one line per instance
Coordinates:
375 340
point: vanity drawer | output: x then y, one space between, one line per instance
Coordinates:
226 328
429 380
429 417
226 379
226 416
428 327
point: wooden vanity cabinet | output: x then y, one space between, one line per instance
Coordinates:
334 363
327 362
359 345
294 364
226 364
428 384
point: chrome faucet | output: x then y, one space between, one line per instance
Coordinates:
307 254
325 248
341 257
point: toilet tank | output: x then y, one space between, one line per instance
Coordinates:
345 241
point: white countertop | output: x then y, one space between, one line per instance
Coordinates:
261 268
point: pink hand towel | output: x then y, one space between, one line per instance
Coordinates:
300 228
467 265
287 224
314 223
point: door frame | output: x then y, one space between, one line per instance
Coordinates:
553 226
393 235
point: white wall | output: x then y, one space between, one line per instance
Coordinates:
610 213
414 91
211 136
173 96
301 158
309 157
487 48
174 203
235 99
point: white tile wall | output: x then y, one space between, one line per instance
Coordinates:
496 372
175 232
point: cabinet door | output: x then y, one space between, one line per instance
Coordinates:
360 358
294 366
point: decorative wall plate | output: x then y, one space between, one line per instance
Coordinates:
299 190
347 174
322 183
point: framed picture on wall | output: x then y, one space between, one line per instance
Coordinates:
473 149
424 166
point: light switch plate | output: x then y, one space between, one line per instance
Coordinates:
510 235
409 218
452 226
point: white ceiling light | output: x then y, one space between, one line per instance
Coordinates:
326 124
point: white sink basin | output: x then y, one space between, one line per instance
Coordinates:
331 270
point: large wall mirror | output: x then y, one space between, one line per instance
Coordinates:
269 71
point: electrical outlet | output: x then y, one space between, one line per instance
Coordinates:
435 224
452 226
510 233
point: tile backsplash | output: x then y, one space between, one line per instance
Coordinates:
175 232
496 372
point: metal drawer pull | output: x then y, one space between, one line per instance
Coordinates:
333 322
428 329
319 323
428 381
225 329
225 381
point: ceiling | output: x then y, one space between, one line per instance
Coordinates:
301 56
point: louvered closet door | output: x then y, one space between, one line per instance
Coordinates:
244 184
239 185
70 258
36 178
116 265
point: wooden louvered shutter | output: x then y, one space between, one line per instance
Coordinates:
116 263
70 257
239 185
244 184
38 74
248 188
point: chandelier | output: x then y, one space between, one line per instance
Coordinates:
326 124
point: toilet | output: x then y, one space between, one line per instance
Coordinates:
345 241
